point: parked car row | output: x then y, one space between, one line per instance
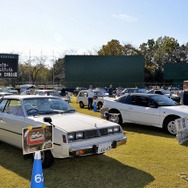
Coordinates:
82 96
74 137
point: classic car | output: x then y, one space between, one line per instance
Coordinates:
82 98
75 134
145 109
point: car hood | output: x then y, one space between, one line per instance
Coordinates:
76 121
181 110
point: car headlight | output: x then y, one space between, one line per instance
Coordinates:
75 136
71 136
79 135
110 130
116 129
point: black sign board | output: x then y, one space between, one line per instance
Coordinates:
8 65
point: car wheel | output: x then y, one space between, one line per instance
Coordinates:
81 104
116 118
46 158
170 126
99 105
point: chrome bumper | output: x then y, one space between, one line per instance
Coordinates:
94 149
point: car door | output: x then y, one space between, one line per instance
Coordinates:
83 97
12 121
143 113
123 105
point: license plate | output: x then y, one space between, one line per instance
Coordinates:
104 147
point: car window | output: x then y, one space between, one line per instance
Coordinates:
98 93
141 91
83 94
14 107
140 101
124 99
159 92
161 100
144 101
3 104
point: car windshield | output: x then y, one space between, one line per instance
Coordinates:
44 105
163 101
165 92
141 91
47 92
99 93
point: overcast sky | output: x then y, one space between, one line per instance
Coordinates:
50 27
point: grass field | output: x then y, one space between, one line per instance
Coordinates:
150 158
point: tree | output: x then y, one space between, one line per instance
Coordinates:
35 67
33 70
130 50
158 53
113 47
59 71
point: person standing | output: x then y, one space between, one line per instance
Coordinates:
110 91
118 91
90 97
185 94
63 92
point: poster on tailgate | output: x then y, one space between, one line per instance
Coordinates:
37 138
182 129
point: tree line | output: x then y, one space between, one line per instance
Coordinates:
156 53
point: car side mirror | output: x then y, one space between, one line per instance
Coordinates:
47 119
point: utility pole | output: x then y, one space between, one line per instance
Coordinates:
53 68
29 66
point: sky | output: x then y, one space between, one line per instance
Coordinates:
55 27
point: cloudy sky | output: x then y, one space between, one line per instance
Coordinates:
54 26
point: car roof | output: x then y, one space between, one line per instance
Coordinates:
27 96
140 94
85 90
94 90
45 90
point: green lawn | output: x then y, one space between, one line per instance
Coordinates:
150 158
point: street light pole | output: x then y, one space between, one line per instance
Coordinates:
53 69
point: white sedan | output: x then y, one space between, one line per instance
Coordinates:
145 109
75 134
